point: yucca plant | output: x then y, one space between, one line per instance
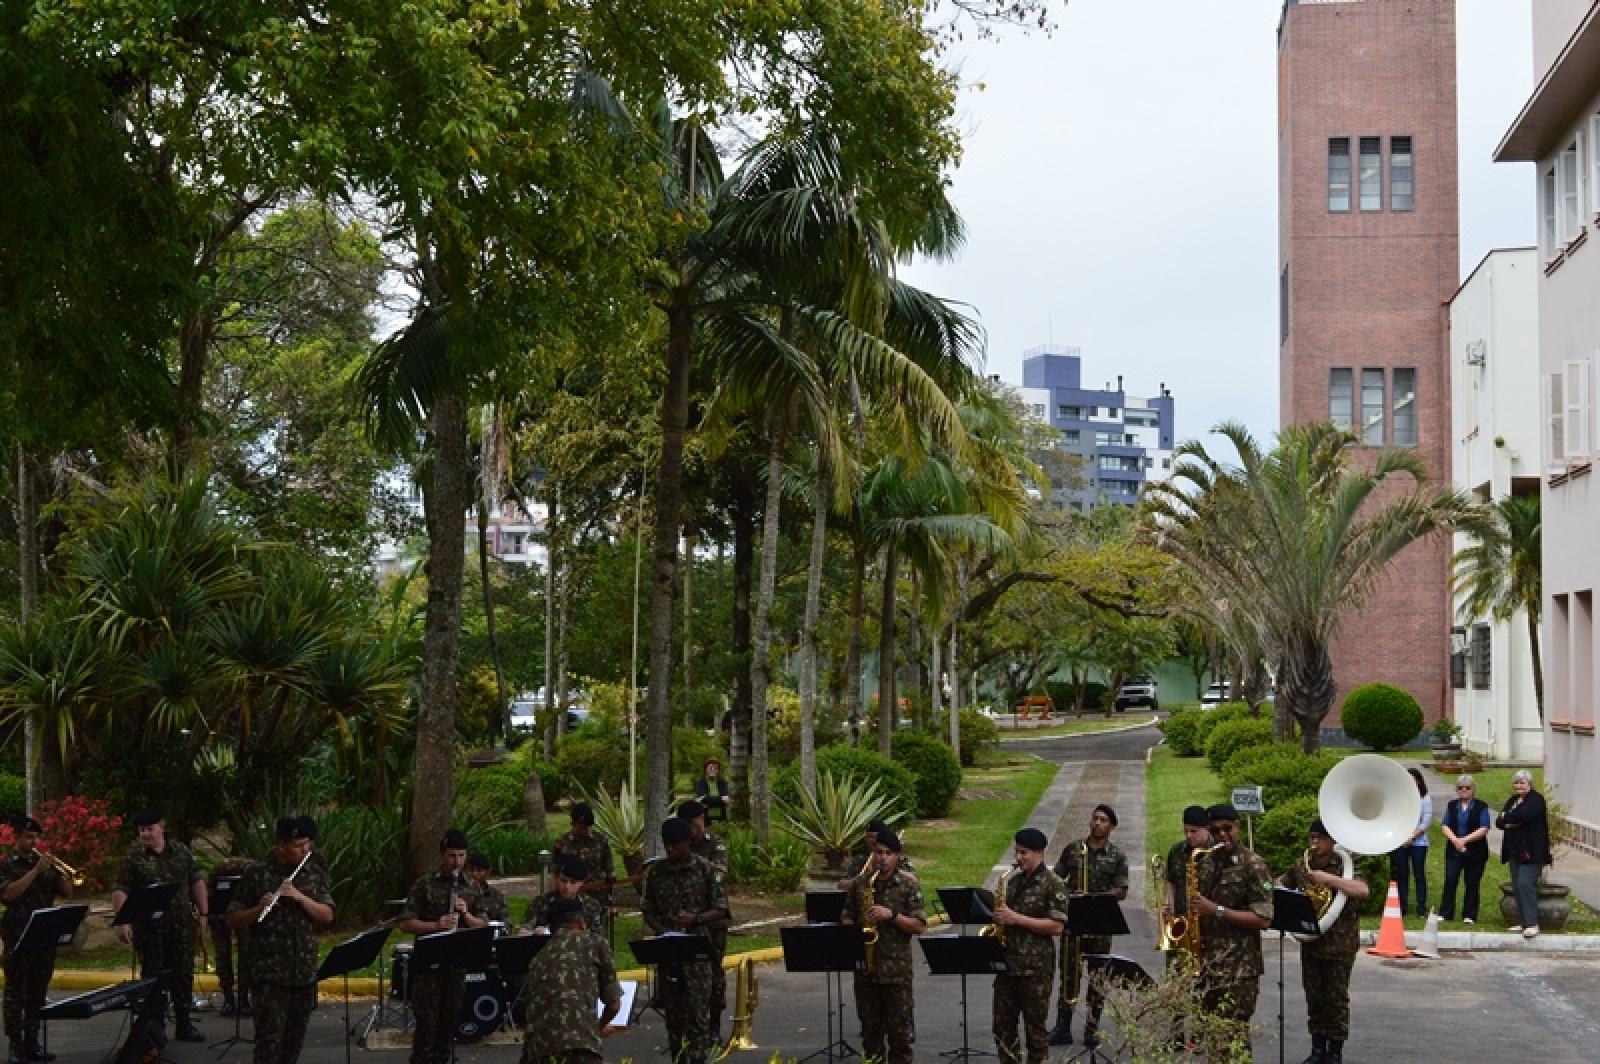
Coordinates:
619 819
831 820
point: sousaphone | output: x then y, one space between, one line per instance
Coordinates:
1370 805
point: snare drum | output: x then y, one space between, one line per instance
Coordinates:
400 972
483 1006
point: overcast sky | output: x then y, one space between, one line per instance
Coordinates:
1120 191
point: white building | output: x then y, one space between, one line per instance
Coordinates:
1559 131
515 538
1494 452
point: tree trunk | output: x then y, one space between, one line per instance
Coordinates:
563 645
498 728
914 654
955 690
1306 684
1538 666
888 709
761 642
551 558
533 804
28 578
445 502
688 628
935 677
808 635
744 549
852 661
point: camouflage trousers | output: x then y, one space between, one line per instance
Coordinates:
1025 997
1227 1010
281 1016
436 1003
223 955
27 979
1326 981
167 952
1073 949
719 974
885 1011
686 1002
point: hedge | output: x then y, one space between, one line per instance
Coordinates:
1381 716
935 767
1281 770
589 762
1234 735
977 731
13 796
1184 730
865 765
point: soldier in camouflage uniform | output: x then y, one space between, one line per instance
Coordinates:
1175 890
1098 865
1235 906
283 944
1325 962
495 907
595 849
571 873
565 980
165 946
858 860
28 881
223 937
684 893
891 902
705 845
1032 911
436 996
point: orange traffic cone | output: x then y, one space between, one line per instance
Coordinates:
1392 932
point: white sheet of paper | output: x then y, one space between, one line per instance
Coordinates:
630 987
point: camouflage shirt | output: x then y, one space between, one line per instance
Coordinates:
713 850
892 960
857 863
568 979
1177 874
495 906
670 889
430 897
174 864
283 947
1108 867
1232 954
595 851
1344 937
594 913
1041 894
41 893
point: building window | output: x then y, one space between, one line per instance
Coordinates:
1091 411
1071 435
1594 163
1166 463
1582 657
1569 190
1341 397
1339 174
1547 192
1283 305
1405 407
1402 175
1458 658
1371 173
1482 673
1555 438
1038 411
1372 407
1149 463
1575 412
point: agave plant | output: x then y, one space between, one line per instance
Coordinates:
831 820
619 819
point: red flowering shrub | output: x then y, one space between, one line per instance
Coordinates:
80 831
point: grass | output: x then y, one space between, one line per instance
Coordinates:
1171 784
961 849
1077 727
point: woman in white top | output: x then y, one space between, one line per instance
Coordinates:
1413 856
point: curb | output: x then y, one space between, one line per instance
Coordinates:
1501 942
1004 740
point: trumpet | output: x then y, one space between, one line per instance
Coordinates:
72 875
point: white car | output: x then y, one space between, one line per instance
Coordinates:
1215 695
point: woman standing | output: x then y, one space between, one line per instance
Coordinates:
1466 828
1525 846
711 791
1412 857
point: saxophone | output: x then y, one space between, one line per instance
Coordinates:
998 931
1183 930
869 932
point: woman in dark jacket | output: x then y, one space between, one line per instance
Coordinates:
1525 846
1465 825
711 791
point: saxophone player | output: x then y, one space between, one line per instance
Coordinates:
1325 962
889 899
1092 865
1175 889
1031 909
1234 906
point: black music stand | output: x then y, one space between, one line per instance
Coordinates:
1292 914
352 955
963 955
831 949
45 930
1098 915
965 907
466 949
512 956
145 905
824 906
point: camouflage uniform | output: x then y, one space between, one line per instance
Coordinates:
1107 871
223 937
858 862
565 980
715 852
1230 956
685 990
495 906
436 996
27 975
283 957
594 913
1326 962
166 947
1024 991
884 999
595 851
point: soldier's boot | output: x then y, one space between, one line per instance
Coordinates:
716 1027
1335 1053
33 1050
186 1031
245 1008
17 1054
1319 1050
1061 1033
229 1004
1091 1030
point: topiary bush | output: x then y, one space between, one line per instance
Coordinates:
690 749
936 769
1381 716
1281 770
490 794
1281 833
1232 736
592 762
1184 730
977 732
840 760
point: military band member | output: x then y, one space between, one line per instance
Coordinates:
1175 890
571 873
495 907
891 902
1098 862
283 943
436 996
165 946
595 849
566 979
705 845
1033 911
858 860
683 893
1326 961
224 938
29 880
1235 906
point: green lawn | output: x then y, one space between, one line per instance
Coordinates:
1172 783
961 849
1078 727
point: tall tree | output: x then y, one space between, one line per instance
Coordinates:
1498 574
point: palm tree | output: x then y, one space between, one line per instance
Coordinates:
1294 538
1498 573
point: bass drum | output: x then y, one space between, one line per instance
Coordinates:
483 1006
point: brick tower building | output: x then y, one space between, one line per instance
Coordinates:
1368 260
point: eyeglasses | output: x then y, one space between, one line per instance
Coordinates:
1463 788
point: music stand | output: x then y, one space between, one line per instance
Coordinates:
824 906
829 949
378 1014
670 948
45 930
512 956
351 955
967 905
1292 914
1098 915
963 955
1112 970
466 949
145 905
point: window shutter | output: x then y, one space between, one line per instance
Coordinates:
1575 420
1594 163
1555 455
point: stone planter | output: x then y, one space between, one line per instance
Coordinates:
1554 905
1447 751
825 871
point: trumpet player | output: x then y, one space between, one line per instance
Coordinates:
1234 906
440 901
887 899
1030 908
1092 865
165 946
1326 961
30 880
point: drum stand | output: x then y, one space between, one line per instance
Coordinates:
382 1014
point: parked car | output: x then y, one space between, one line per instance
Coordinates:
527 704
1216 694
1140 691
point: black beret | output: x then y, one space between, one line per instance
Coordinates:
309 827
581 813
675 831
1032 839
1223 812
888 838
1111 814
291 828
876 827
1318 828
146 817
691 810
563 911
1195 817
572 866
454 839
26 823
478 860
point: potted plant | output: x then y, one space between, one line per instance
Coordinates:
833 819
1446 735
621 820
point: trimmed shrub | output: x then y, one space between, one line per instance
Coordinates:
1232 736
524 759
936 768
591 762
490 794
13 797
1281 770
1184 730
1281 833
1381 716
691 747
977 732
840 760
511 848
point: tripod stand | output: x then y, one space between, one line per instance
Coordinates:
1292 913
349 956
1098 916
831 949
1108 972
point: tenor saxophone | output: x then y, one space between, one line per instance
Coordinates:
998 931
869 932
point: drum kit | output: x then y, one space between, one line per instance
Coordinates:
486 1005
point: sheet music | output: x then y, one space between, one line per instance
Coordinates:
630 989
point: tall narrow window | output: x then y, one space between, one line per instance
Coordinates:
1401 175
1458 658
1405 407
1283 305
1482 659
1555 437
1569 190
1547 192
1575 419
1371 173
1372 407
1594 163
1339 174
1341 397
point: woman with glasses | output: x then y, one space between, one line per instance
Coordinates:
1466 828
1525 847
